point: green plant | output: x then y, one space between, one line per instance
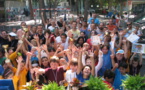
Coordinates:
53 86
96 83
134 83
30 85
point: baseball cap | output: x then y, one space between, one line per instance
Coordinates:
12 34
120 51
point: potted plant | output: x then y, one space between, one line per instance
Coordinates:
96 83
134 83
53 86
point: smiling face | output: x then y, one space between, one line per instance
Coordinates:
86 71
119 56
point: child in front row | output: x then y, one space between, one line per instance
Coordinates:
135 64
9 74
109 78
120 74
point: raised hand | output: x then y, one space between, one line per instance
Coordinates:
116 65
29 54
112 56
38 49
44 47
100 53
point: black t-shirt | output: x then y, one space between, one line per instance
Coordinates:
13 43
134 71
60 24
3 41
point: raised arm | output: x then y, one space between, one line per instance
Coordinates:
19 66
29 43
112 59
43 20
132 57
44 47
39 55
120 40
79 62
140 61
20 42
36 37
46 38
92 63
100 63
125 49
29 54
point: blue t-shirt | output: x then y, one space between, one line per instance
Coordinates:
1 70
118 79
107 64
81 79
87 33
96 21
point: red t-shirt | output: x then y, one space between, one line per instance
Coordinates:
111 27
54 75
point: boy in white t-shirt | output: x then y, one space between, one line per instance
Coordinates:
71 74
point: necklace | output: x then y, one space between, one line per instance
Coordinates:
55 75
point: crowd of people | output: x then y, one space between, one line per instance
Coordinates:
62 51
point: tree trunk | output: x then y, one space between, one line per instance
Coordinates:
42 6
31 10
50 14
87 4
70 4
77 9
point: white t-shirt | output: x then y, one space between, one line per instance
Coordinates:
51 28
126 18
65 45
58 39
70 76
